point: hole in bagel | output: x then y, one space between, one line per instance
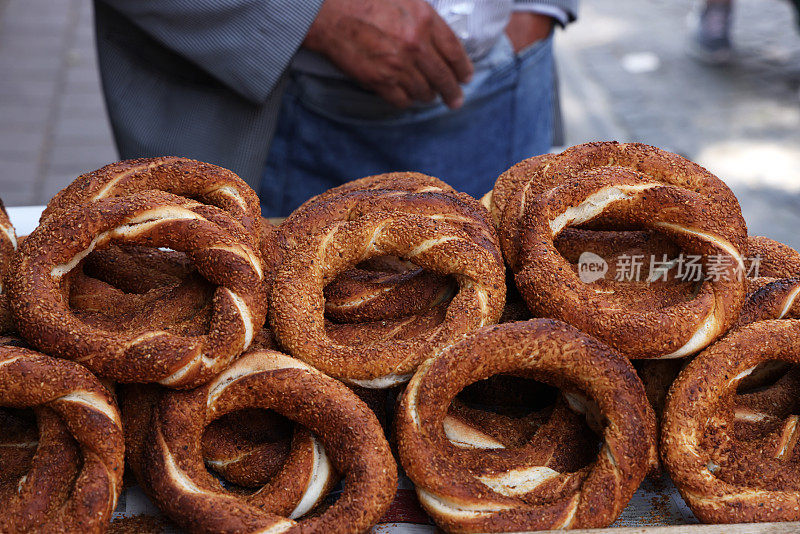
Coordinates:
385 297
37 442
618 262
510 395
271 461
528 416
764 400
135 288
246 448
752 437
764 376
18 444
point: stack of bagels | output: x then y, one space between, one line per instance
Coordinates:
254 377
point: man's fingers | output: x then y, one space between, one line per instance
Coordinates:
441 77
417 87
395 95
450 48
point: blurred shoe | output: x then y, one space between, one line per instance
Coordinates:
710 42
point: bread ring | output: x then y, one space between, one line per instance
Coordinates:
76 477
222 253
297 317
409 193
351 440
699 227
530 497
184 177
721 478
8 246
300 473
774 300
544 173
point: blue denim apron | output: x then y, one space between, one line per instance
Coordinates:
331 131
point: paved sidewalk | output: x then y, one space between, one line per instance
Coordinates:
627 76
52 121
624 70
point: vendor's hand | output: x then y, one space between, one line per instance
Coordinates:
401 49
524 29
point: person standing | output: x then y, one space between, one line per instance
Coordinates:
461 89
710 40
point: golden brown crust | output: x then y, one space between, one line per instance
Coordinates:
349 437
776 299
775 260
390 181
724 479
458 209
184 177
75 478
222 252
513 180
773 290
620 196
297 307
8 247
465 499
411 193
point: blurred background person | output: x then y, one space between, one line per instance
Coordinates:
458 89
711 38
711 35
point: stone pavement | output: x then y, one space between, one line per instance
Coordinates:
52 120
627 76
624 70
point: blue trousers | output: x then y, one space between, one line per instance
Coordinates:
331 131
